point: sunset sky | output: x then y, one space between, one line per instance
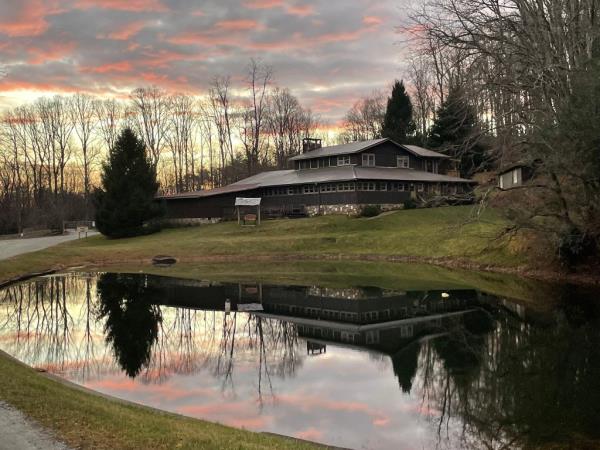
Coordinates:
328 53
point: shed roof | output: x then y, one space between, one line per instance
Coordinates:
356 147
325 175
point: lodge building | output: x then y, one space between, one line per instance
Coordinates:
328 180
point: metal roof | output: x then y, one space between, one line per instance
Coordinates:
247 201
325 175
420 151
356 147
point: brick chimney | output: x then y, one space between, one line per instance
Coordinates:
309 144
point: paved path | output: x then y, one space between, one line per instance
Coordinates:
19 433
13 247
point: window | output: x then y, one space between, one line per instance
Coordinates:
366 186
501 181
368 159
383 186
403 162
420 187
314 163
310 189
328 187
343 160
515 176
345 186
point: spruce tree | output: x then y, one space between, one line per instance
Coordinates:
125 204
398 122
455 132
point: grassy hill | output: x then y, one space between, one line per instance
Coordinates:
425 235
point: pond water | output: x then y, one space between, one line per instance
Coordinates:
357 367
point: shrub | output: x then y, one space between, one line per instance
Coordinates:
370 211
410 204
573 246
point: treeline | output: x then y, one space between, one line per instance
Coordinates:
51 150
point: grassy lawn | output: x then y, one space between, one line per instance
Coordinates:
440 233
86 420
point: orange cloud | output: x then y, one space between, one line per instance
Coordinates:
122 66
123 5
28 18
238 25
262 4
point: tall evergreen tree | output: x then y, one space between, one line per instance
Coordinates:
125 204
455 132
398 122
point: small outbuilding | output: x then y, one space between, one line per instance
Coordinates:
245 204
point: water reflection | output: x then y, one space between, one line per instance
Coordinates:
355 367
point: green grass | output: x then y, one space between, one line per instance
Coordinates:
425 234
86 420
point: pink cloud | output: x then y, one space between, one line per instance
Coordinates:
262 4
127 31
310 434
238 25
123 5
28 18
52 52
372 21
301 10
122 66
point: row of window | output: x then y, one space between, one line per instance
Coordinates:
393 186
368 160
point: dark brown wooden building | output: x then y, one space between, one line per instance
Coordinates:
330 180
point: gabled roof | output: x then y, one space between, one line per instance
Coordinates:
356 147
324 175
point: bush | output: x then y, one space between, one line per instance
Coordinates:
370 211
573 246
410 204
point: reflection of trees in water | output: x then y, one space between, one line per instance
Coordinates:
514 384
132 318
59 323
41 321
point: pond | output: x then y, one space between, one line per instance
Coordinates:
353 366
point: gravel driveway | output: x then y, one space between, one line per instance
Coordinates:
19 433
14 247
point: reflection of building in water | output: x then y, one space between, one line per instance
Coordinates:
350 305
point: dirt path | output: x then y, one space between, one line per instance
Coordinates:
19 433
14 247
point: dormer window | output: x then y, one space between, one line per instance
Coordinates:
343 160
368 159
403 162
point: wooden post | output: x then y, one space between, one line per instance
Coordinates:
238 213
258 207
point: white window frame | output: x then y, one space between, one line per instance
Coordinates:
515 176
502 181
368 159
343 160
403 162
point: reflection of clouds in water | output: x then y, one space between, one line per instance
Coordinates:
423 390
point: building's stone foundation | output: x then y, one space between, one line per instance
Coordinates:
349 209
